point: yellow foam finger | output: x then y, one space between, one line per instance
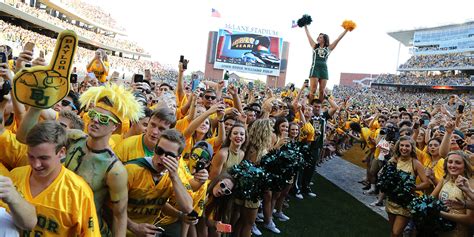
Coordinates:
44 86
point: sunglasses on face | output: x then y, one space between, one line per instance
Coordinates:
160 151
65 103
210 97
225 188
104 119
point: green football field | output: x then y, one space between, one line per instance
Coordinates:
333 213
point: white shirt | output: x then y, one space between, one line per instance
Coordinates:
7 228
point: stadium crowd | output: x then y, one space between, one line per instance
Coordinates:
158 156
410 78
448 61
17 37
82 31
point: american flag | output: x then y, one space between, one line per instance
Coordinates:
215 13
293 24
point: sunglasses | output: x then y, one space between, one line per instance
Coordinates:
210 97
225 188
65 103
394 117
160 151
104 119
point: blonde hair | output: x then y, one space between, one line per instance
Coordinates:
260 137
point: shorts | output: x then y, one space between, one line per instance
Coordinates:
247 203
375 166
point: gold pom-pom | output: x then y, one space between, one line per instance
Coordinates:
349 25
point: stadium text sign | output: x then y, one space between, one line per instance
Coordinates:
249 49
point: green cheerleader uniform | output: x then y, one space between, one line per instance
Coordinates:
319 68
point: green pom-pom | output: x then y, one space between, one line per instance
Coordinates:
250 181
281 165
397 185
305 20
425 213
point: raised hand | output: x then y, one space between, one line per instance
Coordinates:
44 86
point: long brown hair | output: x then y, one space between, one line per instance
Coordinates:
412 143
227 139
219 205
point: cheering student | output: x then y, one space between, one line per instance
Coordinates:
99 66
259 143
219 203
156 178
452 188
231 152
90 155
405 160
319 69
64 201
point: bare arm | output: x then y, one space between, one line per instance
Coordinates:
334 106
30 120
22 212
467 219
198 121
236 99
117 179
420 170
218 163
334 44
310 39
446 142
180 85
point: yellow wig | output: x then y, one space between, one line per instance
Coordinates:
125 106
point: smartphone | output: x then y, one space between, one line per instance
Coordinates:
195 84
137 78
30 46
73 79
426 122
3 57
193 214
250 85
223 228
147 73
184 61
442 128
461 109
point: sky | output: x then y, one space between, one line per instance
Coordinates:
168 29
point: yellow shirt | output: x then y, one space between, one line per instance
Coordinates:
100 73
307 132
145 197
130 148
13 153
182 124
65 208
184 176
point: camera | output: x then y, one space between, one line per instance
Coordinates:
7 86
73 78
137 78
391 133
200 165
